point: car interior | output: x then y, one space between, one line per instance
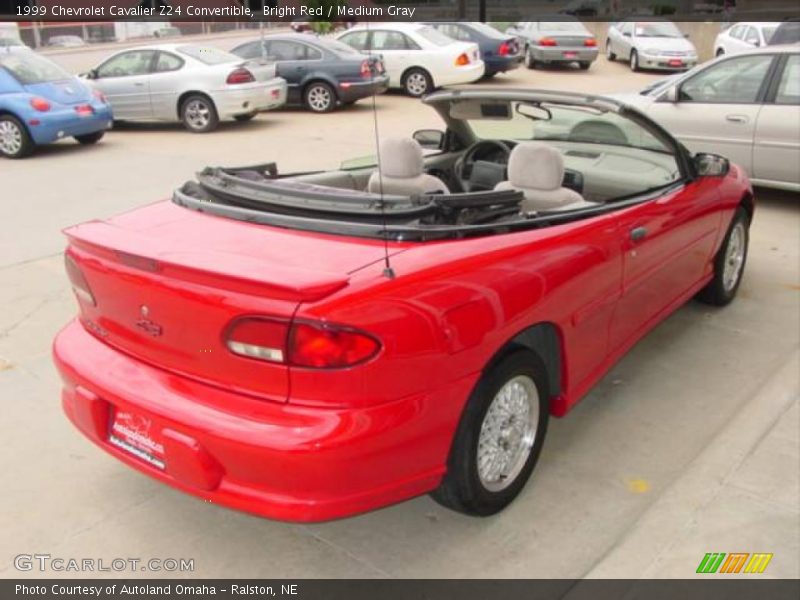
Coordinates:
499 161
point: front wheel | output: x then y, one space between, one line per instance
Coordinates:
90 138
199 115
417 82
634 61
15 141
499 438
729 263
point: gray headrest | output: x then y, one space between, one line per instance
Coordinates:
536 166
401 157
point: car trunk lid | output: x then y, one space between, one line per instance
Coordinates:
168 282
68 92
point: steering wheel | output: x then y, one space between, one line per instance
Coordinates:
476 174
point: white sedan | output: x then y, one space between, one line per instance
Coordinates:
418 58
744 36
197 85
745 107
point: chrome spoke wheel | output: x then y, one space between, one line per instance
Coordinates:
319 98
198 114
734 257
10 138
508 433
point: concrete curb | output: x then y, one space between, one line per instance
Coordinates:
675 511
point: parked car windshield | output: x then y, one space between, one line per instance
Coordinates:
29 68
768 32
486 30
435 36
340 47
208 55
658 30
551 122
561 26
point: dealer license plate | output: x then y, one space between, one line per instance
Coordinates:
137 435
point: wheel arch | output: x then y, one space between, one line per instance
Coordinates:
182 98
418 68
544 340
319 78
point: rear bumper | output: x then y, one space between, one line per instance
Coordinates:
564 54
457 75
58 124
276 460
500 64
350 91
250 98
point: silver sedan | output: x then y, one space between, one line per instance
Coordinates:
650 45
197 85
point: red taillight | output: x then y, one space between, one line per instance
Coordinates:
313 345
366 71
548 42
84 110
100 96
463 59
504 49
40 104
591 42
240 75
79 284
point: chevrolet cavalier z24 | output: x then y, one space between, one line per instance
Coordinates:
311 346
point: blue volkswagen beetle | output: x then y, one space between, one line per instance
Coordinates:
42 103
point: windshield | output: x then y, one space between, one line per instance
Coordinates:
561 26
208 55
434 36
658 30
29 68
486 30
340 48
572 124
768 32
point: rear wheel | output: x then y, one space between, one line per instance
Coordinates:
417 82
243 118
634 60
199 115
530 61
15 141
729 263
609 52
90 138
499 438
319 97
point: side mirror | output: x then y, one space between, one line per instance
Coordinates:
686 35
711 165
756 44
91 74
669 95
431 139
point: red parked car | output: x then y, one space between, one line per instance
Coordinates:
311 346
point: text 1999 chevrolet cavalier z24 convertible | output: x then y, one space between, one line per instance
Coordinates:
247 343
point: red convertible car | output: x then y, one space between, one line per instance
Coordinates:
310 346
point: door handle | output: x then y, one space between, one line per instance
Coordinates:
638 234
736 118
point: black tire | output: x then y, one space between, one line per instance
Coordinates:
610 55
19 144
634 61
462 488
489 75
585 64
90 138
198 114
319 97
721 290
244 118
417 82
